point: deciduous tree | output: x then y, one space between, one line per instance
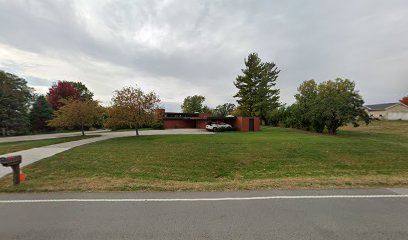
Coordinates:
60 91
133 108
224 109
84 92
77 113
330 105
192 104
257 94
15 100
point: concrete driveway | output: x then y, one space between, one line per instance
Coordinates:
36 154
100 132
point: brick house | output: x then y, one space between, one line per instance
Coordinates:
200 120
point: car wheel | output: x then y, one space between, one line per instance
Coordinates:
214 129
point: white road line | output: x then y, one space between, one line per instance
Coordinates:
196 199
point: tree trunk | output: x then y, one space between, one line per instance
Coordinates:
332 131
137 131
82 129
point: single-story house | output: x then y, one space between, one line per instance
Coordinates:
200 120
388 111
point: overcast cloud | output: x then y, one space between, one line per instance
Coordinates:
181 48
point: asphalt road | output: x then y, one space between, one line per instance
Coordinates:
329 214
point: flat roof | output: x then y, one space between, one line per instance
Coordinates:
198 118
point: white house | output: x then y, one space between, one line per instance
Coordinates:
388 111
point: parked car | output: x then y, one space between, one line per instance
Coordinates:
215 126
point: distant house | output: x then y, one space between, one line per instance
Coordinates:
388 111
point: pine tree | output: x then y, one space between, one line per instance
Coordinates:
257 94
41 112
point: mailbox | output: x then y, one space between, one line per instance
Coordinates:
10 161
14 163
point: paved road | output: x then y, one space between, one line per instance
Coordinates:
328 214
36 154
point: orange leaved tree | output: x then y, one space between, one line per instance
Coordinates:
132 108
77 113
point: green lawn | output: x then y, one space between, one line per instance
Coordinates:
10 147
272 158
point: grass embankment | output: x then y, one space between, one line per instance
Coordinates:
10 147
273 158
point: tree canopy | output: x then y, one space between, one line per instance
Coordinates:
257 94
329 105
224 109
77 113
132 108
60 91
84 92
192 104
404 100
67 90
15 100
41 112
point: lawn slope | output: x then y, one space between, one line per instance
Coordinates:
10 147
272 158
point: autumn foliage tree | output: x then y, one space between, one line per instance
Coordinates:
404 100
77 113
60 91
132 108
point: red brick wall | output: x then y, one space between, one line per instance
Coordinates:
242 124
179 123
203 115
201 123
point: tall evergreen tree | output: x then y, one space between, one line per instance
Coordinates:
41 112
257 94
15 99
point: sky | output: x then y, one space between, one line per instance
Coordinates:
181 48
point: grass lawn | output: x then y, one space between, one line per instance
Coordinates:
272 158
10 147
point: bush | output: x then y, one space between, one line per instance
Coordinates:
157 126
276 117
224 129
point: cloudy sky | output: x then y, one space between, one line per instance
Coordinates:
181 48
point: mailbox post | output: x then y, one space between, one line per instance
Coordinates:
14 163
